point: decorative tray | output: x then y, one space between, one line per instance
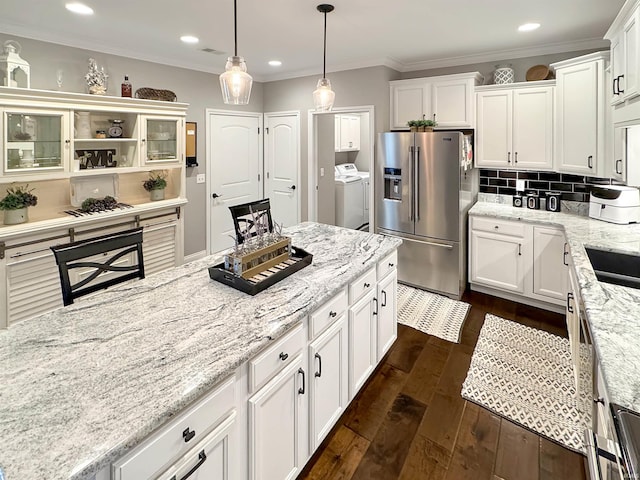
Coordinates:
298 260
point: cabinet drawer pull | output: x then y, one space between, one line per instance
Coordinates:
384 296
569 298
496 227
188 434
302 389
366 285
319 372
333 314
564 255
283 356
598 400
202 457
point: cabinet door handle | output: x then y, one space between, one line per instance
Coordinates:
67 142
202 457
515 157
384 296
302 389
619 161
375 309
319 372
598 400
615 90
520 249
434 118
619 77
569 298
391 265
188 434
333 314
508 157
590 161
564 254
366 285
283 356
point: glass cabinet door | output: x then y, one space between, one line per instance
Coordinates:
162 140
34 141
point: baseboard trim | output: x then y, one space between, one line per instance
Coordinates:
514 297
195 256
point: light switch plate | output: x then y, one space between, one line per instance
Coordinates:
322 171
200 178
520 185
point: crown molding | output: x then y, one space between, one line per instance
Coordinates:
549 49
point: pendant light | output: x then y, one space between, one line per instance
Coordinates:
323 96
235 81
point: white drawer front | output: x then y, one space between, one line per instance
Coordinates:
494 225
327 314
175 440
365 283
267 364
387 264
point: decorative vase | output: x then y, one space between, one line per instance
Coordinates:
14 217
503 74
157 194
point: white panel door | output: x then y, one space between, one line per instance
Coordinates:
496 261
549 271
362 343
328 380
235 167
494 125
533 128
282 164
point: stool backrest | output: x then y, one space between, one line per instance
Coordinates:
243 218
101 272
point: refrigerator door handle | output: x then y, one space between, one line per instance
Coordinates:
411 182
424 242
416 195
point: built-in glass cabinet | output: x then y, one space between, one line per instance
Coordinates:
161 141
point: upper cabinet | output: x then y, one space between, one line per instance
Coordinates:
625 54
449 100
582 115
50 135
347 133
515 126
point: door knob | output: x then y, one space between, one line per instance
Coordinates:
215 195
292 187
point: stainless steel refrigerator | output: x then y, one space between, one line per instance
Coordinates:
424 189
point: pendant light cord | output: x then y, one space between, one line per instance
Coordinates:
235 27
324 55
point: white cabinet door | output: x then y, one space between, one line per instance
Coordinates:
328 379
277 414
573 322
347 133
159 246
213 458
387 327
362 342
617 68
162 140
533 128
549 270
409 101
577 118
494 125
497 261
452 103
628 82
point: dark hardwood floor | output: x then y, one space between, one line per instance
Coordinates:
409 421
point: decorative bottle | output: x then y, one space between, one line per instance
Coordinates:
126 87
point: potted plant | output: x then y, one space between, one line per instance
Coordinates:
428 125
413 125
15 204
155 184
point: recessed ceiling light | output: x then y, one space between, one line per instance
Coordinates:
189 39
79 8
528 27
275 63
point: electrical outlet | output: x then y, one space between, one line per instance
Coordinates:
322 171
200 178
520 185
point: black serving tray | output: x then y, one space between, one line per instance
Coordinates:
300 258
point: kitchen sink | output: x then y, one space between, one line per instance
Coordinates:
616 268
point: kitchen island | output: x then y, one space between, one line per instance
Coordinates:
85 384
612 311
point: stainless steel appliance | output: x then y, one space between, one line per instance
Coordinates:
423 193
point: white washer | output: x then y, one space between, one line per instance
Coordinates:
349 201
351 170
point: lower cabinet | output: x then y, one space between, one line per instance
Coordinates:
362 342
519 261
277 414
328 380
387 325
573 321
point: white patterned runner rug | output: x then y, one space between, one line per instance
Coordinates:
526 375
431 313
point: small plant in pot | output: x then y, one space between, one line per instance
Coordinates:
413 125
16 203
428 125
155 184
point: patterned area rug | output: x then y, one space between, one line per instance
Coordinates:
526 375
431 313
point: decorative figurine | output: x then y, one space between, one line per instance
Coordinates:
15 71
96 79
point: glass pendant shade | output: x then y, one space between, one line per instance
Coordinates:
323 96
236 82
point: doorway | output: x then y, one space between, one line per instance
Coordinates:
332 142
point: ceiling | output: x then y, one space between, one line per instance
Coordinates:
405 34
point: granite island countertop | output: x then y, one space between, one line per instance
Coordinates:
83 385
613 312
